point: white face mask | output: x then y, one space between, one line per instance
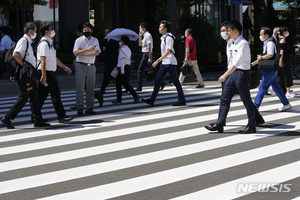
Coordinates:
120 43
33 36
261 38
224 35
287 34
141 31
52 33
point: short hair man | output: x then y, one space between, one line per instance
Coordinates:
168 65
236 78
86 48
146 42
47 65
191 57
23 46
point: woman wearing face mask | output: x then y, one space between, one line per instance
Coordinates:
284 73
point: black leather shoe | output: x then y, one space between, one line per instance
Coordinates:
178 103
116 102
65 119
80 111
261 121
215 127
90 112
137 99
41 124
148 101
99 97
7 123
73 108
248 129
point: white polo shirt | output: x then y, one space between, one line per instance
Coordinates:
5 43
50 53
239 54
168 43
83 43
21 48
147 40
269 47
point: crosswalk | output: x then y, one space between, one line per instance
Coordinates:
134 151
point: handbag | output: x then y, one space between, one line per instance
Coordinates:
114 73
187 70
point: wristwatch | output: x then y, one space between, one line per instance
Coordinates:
158 60
261 58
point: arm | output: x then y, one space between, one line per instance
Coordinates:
17 56
187 52
80 52
149 53
227 73
281 53
260 57
140 40
65 68
161 58
43 79
92 54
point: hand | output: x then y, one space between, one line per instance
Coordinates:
154 64
259 57
254 63
104 48
12 78
68 70
222 78
149 60
280 63
140 34
91 48
43 80
186 60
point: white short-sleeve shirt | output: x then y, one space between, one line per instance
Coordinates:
125 53
5 43
44 50
83 43
269 47
147 40
167 42
21 48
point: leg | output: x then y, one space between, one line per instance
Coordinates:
279 92
263 87
42 91
197 72
174 77
80 75
158 80
106 78
119 81
126 82
35 107
17 106
143 64
90 86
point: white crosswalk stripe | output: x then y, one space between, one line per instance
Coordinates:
134 151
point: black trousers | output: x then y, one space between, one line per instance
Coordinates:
22 100
124 80
106 78
53 89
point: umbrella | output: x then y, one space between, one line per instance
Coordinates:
118 32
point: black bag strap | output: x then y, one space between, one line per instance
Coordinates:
165 40
27 44
42 40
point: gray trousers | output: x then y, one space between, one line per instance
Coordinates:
85 77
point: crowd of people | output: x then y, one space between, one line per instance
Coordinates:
118 54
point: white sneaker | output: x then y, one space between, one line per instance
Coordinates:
290 95
271 92
285 108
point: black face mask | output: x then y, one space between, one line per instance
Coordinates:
87 34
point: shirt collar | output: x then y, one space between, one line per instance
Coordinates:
266 41
28 38
49 39
237 40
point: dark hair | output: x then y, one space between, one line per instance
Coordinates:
267 31
80 28
87 24
225 24
166 24
282 29
144 25
45 27
29 26
189 31
235 25
125 39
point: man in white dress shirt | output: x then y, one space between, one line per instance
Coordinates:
236 78
5 44
86 48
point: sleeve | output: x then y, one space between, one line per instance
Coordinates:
148 39
271 48
188 43
76 45
43 49
21 46
169 43
121 62
97 45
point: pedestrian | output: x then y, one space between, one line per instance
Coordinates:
23 52
124 61
191 58
285 72
47 65
146 42
5 44
236 78
111 58
168 65
86 48
269 77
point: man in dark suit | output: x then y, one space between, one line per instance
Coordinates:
111 59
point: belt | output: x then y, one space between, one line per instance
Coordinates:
88 64
242 69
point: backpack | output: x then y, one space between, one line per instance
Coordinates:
173 37
9 60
